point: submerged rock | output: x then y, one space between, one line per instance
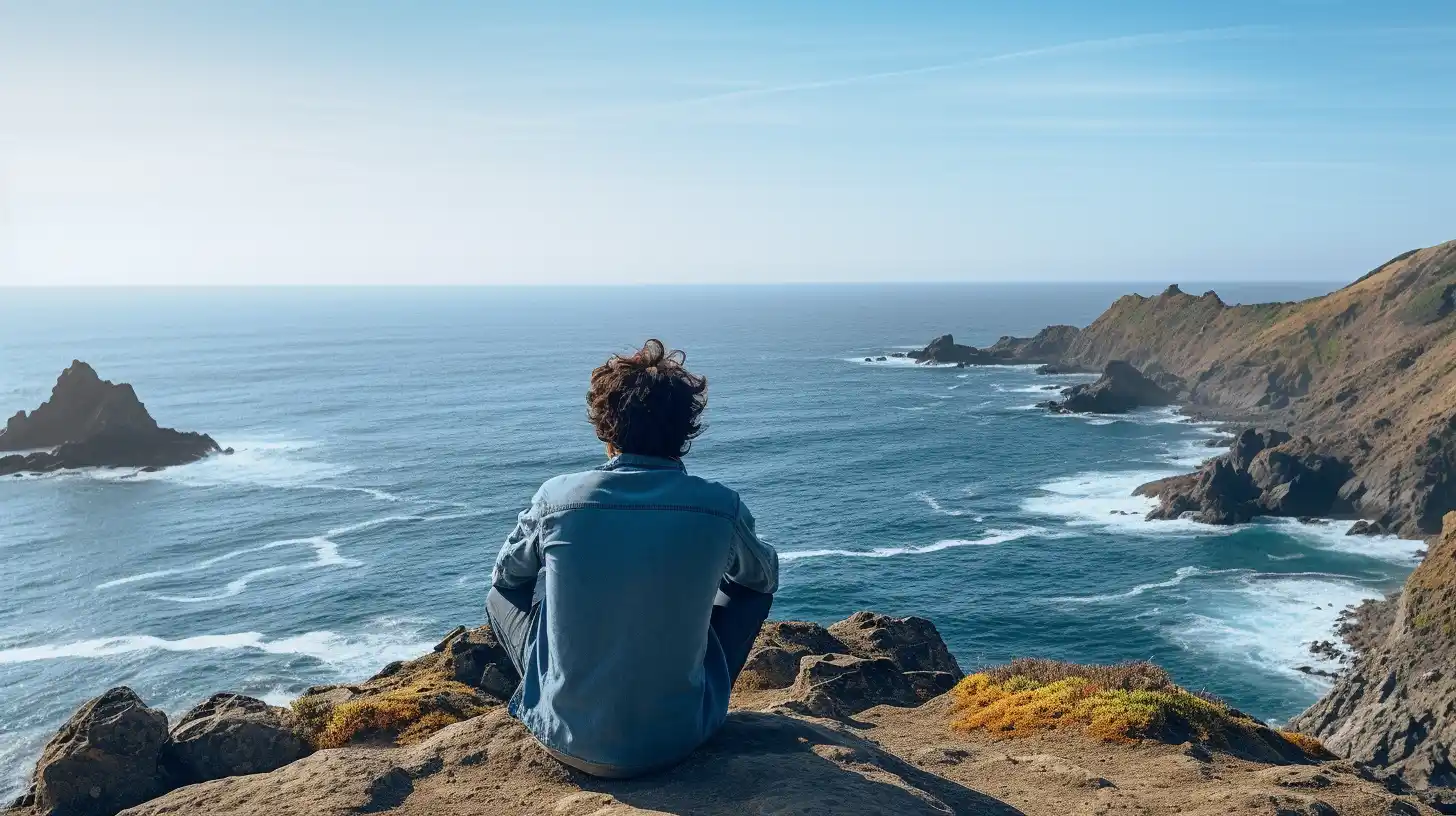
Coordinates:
91 422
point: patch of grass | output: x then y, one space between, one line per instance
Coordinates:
403 715
1311 746
1431 304
1120 703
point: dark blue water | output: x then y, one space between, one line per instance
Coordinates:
386 439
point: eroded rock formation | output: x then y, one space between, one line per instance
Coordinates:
1120 389
91 422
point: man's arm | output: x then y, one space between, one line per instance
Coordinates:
753 564
520 557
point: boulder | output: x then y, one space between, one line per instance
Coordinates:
1120 389
780 645
912 644
232 735
91 422
108 756
837 686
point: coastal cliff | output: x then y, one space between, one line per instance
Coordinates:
1368 372
1396 707
871 715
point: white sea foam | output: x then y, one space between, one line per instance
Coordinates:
1027 389
934 504
326 554
1181 575
1268 621
1333 536
1290 557
895 362
1188 453
268 463
1106 500
359 650
992 538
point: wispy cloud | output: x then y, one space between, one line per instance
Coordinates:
1100 45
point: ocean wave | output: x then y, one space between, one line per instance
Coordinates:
1268 621
992 538
1332 536
358 651
1105 499
1027 389
1181 575
326 554
934 504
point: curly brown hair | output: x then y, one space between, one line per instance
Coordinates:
647 403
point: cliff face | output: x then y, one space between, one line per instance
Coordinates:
1396 708
1369 371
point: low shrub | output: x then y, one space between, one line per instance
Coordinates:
1120 703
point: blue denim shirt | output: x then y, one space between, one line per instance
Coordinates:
624 671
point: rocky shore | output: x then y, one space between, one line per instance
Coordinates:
871 715
91 422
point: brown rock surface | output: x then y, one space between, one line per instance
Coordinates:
106 757
1396 707
232 735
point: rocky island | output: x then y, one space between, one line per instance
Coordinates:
91 422
871 715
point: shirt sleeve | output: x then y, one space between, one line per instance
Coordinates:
754 563
520 557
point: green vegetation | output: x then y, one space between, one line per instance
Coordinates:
1430 304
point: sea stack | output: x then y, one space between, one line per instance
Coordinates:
91 422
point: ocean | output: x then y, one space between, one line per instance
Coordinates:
386 439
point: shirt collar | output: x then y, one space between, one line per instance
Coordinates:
634 460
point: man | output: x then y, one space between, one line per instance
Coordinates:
629 595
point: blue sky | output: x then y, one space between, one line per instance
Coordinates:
197 143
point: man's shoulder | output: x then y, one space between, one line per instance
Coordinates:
605 487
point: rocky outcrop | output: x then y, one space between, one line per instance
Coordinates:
91 422
108 756
859 729
1048 346
1265 473
1370 369
913 644
1395 709
232 735
1120 389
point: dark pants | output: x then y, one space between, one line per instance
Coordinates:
738 613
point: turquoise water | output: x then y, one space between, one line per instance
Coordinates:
386 439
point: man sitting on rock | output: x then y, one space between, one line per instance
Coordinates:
629 596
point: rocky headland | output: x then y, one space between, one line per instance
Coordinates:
91 422
1347 405
1049 346
871 715
1365 375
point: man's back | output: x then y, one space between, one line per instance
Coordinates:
625 671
